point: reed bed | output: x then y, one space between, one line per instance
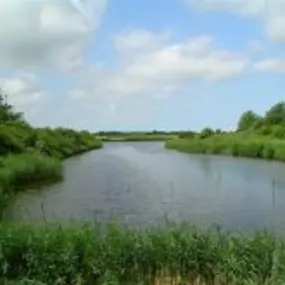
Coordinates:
235 145
114 254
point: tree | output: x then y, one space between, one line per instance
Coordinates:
218 132
276 114
205 133
248 120
7 113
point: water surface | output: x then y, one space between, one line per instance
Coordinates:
142 183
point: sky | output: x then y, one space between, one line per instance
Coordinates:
142 64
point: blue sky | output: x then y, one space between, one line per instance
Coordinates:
142 65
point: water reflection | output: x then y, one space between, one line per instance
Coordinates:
142 183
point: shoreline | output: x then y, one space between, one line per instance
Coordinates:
262 148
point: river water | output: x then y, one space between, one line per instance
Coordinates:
143 184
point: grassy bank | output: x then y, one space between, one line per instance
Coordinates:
20 171
135 136
117 255
255 137
29 154
40 160
234 145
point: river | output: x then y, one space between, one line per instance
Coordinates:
143 184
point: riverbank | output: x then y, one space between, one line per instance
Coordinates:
30 155
20 171
138 138
17 172
117 255
238 145
256 136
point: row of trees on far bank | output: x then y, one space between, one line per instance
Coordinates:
274 116
17 136
272 123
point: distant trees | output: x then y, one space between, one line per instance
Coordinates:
275 115
248 120
187 134
17 136
206 132
7 112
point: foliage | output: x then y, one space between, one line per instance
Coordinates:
276 114
187 134
103 255
236 145
248 120
206 133
18 170
7 112
30 154
136 136
256 137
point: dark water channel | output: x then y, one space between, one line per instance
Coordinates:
142 183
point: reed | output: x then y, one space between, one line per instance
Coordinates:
113 254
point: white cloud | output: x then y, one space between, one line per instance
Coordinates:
156 67
171 64
270 65
159 67
139 40
191 59
244 7
45 33
255 46
22 89
270 12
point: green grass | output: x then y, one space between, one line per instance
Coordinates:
29 155
241 145
18 172
117 255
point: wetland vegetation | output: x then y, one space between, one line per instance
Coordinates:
255 137
29 154
116 136
115 254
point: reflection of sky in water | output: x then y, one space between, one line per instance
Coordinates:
139 183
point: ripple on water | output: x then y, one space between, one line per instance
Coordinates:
142 183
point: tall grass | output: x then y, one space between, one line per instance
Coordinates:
29 155
118 255
242 145
20 171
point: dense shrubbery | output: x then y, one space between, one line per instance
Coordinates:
256 137
30 154
116 255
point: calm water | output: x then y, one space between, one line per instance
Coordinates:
142 184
